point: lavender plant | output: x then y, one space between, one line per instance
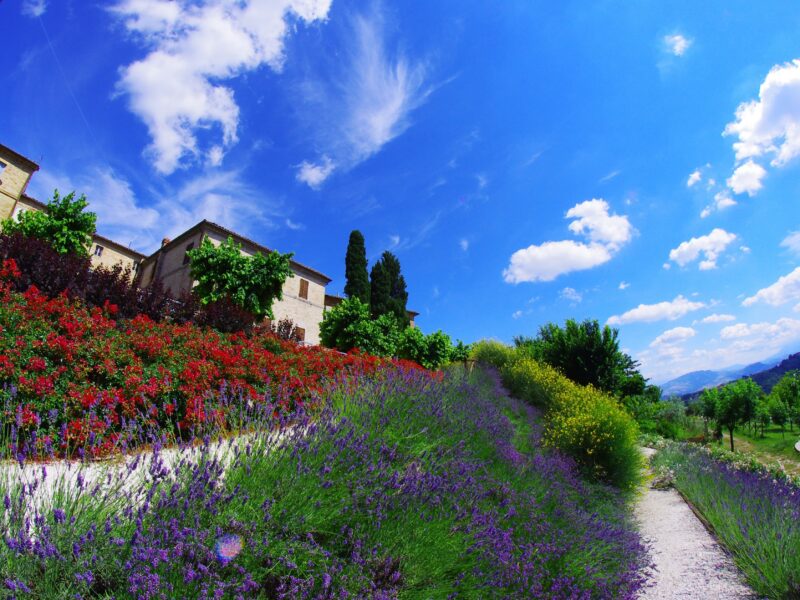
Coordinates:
401 485
755 514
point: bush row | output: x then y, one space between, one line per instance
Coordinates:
585 423
52 273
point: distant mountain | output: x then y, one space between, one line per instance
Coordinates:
696 381
765 375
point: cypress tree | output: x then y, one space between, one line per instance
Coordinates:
391 287
380 290
357 283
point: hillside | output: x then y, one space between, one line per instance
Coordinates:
766 378
696 381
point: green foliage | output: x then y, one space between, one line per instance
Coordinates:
492 352
349 326
460 352
587 354
388 288
431 351
778 412
64 225
412 345
251 282
581 421
737 404
355 268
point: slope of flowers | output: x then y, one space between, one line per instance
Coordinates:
73 378
400 486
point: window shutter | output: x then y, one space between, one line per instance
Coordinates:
186 256
304 289
300 333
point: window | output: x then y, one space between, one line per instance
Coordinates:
98 250
300 333
304 289
186 255
135 266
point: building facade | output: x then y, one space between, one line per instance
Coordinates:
303 299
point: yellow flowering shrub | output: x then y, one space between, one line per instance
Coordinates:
581 421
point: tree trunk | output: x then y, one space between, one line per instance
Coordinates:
730 429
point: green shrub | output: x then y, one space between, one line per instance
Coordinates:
584 423
492 352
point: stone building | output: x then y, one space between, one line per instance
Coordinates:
303 292
15 173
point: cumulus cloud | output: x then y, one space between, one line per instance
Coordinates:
770 126
782 328
747 178
571 294
34 8
193 47
677 44
709 247
715 318
606 234
673 336
694 178
722 200
647 313
315 174
792 242
368 101
786 289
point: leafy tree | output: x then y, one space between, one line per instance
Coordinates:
787 390
778 413
708 407
412 345
388 288
438 350
460 352
355 268
64 225
349 325
251 282
587 354
762 414
736 404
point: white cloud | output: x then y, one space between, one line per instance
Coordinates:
792 242
708 246
368 101
646 313
771 124
624 285
464 244
786 289
34 8
739 344
722 200
666 266
673 336
315 174
694 177
677 44
544 262
571 294
717 318
294 226
593 221
547 261
394 240
609 176
517 314
747 178
194 46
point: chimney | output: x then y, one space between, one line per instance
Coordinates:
165 241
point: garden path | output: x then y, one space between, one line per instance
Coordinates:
688 561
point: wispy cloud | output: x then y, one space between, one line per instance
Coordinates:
34 8
677 44
194 46
367 101
608 177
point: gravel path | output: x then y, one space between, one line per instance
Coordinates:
689 562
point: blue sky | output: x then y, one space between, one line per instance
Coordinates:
636 163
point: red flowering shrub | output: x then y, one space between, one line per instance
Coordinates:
84 379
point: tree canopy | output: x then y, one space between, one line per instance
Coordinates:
251 282
588 354
355 268
65 224
388 288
